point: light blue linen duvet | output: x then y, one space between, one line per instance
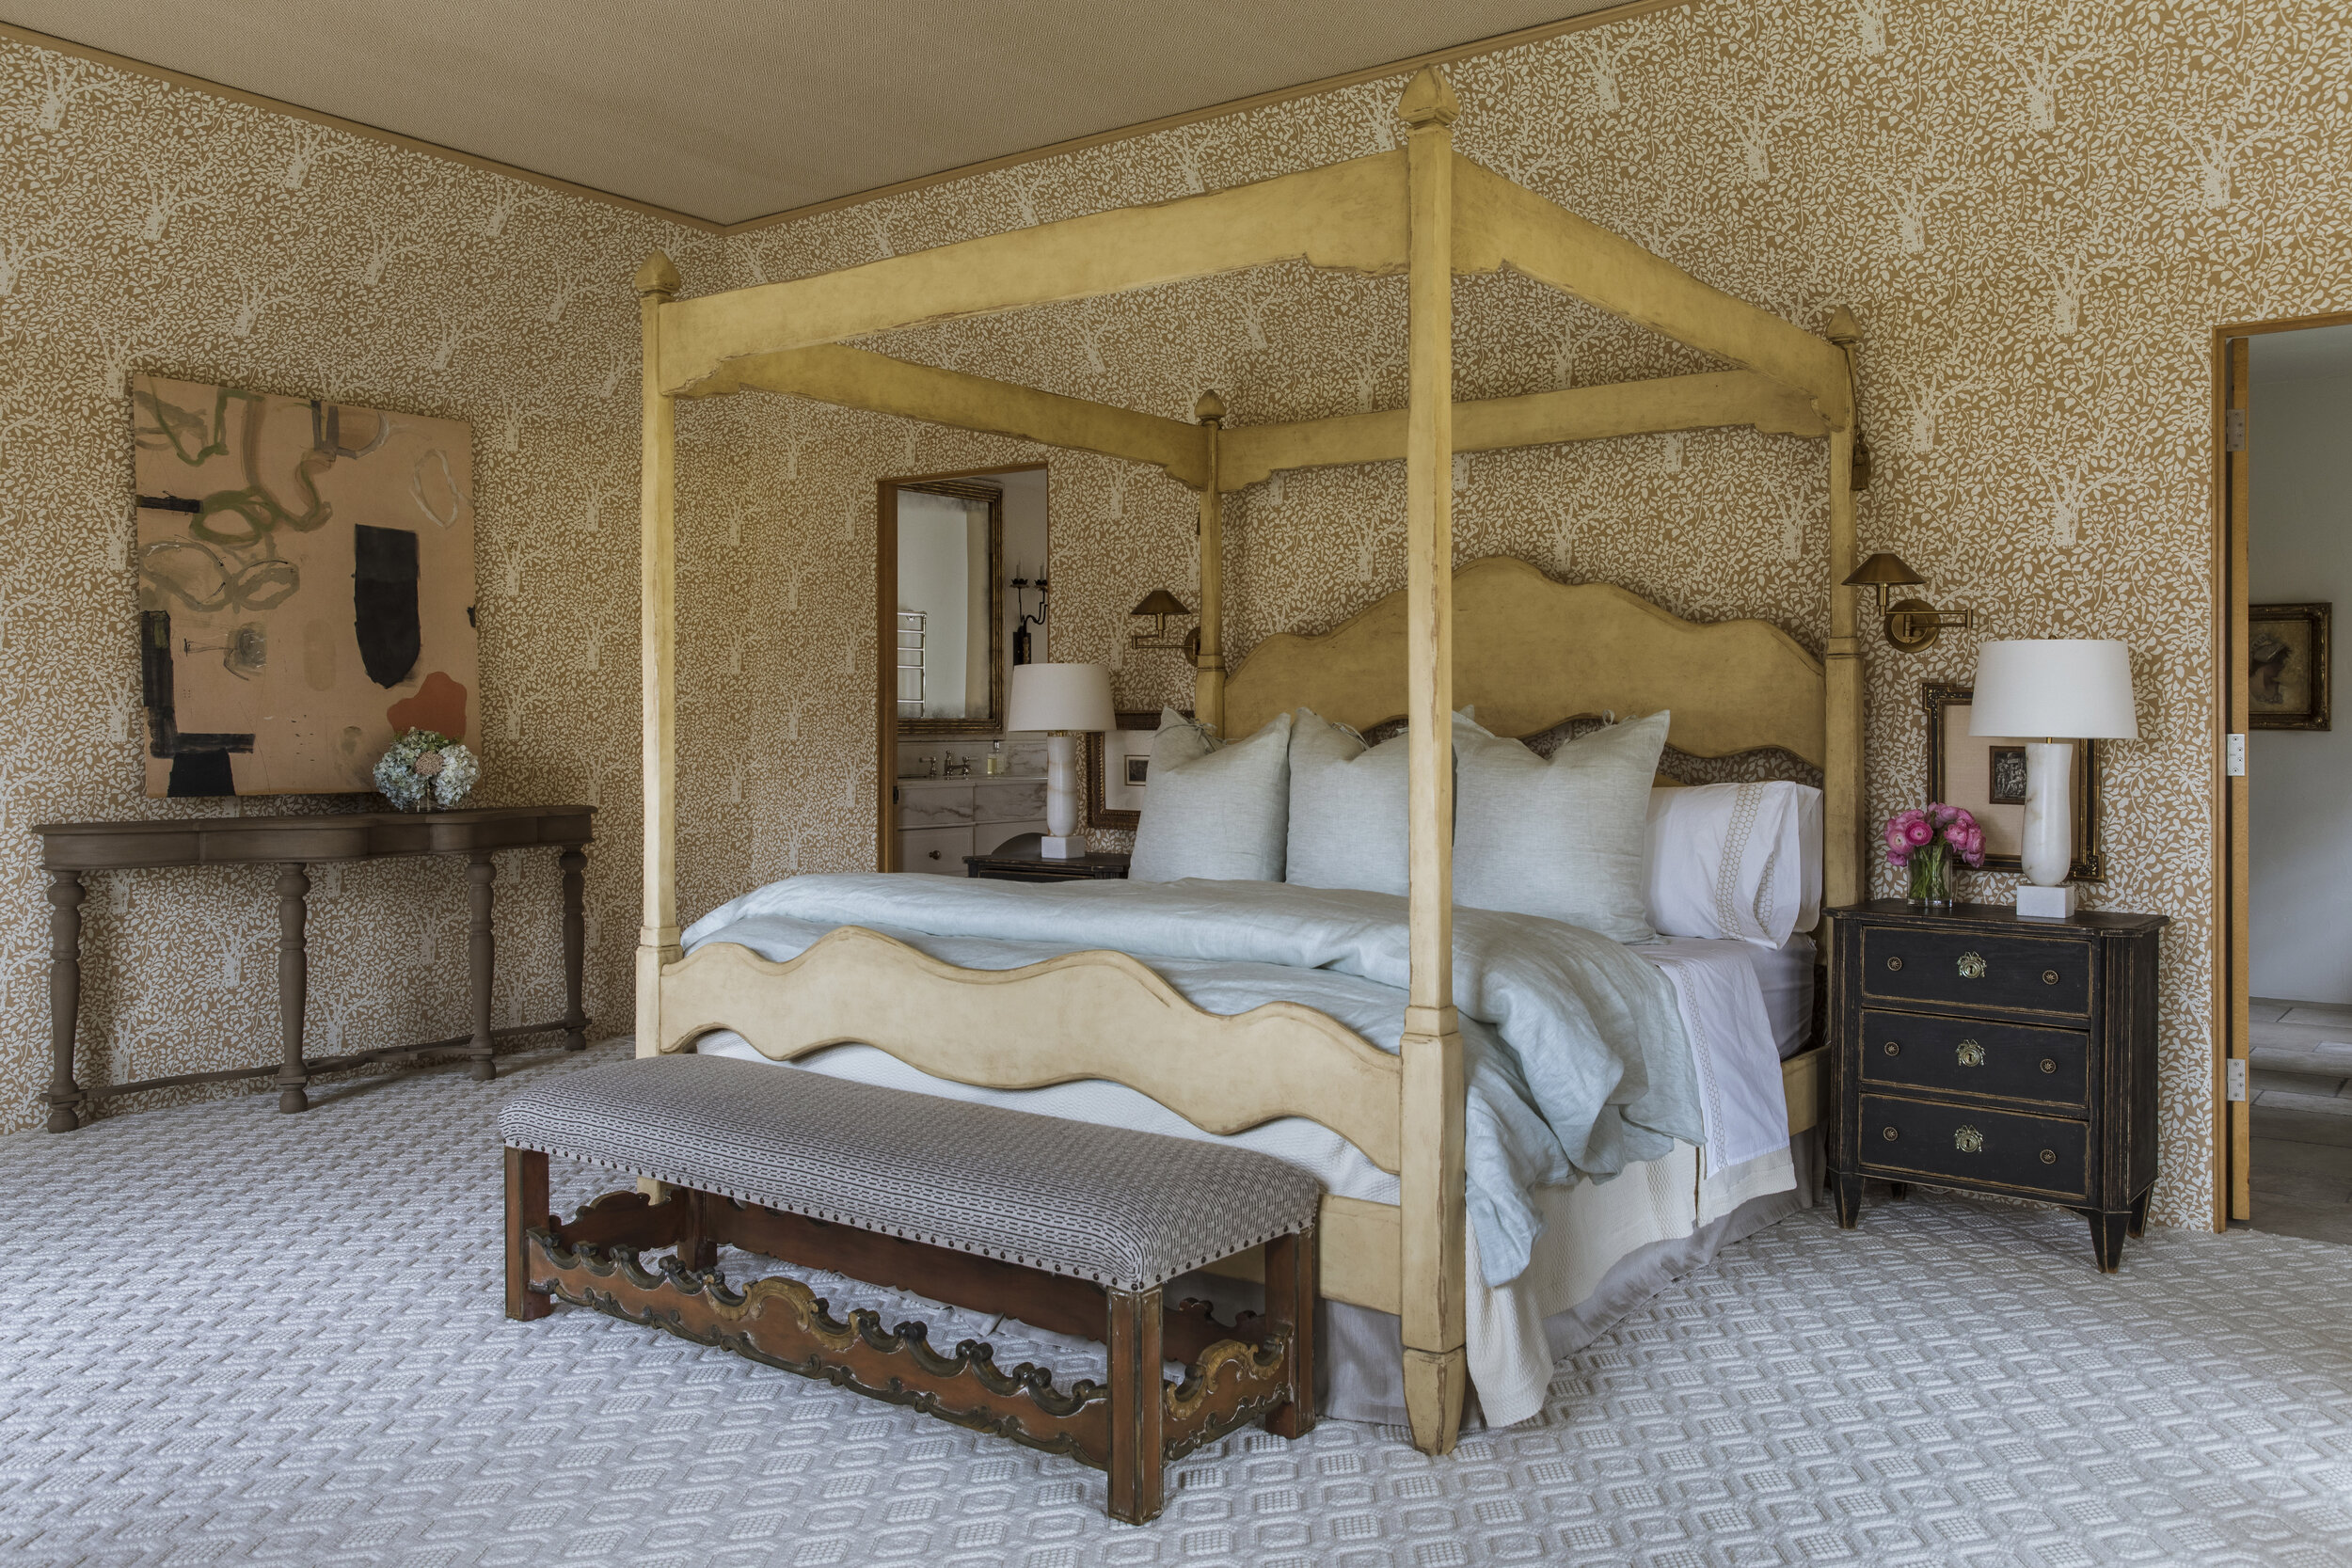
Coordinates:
1575 1052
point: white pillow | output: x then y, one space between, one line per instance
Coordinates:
1564 838
1347 815
1735 860
1211 809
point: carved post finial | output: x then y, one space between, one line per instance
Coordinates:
658 275
1210 409
1843 329
1428 100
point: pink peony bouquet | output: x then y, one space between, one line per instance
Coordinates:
1935 827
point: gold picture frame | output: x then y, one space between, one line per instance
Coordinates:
2288 656
1117 770
1986 773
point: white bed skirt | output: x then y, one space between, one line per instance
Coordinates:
1607 1247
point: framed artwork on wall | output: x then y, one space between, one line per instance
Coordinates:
305 587
1118 766
2287 682
1987 774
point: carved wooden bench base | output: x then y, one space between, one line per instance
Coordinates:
1260 1368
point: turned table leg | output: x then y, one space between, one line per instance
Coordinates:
294 985
65 997
575 948
479 950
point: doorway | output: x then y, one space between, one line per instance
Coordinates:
2284 991
962 595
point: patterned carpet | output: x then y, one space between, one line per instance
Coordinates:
231 1336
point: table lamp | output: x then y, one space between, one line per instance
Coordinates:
2051 693
1065 701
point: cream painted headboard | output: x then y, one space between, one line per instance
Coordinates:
1531 652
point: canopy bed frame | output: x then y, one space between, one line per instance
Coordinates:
1427 213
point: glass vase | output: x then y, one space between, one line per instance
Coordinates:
1931 878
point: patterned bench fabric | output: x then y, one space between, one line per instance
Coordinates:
1127 1210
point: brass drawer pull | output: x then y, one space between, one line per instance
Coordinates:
1888 1134
1971 966
1893 1049
2049 976
1894 963
2048 1065
2049 1156
1970 1054
1968 1139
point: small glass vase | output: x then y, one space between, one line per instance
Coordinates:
1931 878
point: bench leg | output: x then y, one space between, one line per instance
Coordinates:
1291 1289
525 1207
1139 1476
697 1248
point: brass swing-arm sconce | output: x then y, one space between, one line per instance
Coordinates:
1911 625
1160 603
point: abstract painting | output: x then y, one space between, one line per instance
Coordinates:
305 587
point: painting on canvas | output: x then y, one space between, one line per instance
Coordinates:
2288 656
305 587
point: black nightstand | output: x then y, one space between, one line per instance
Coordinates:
1994 1054
1016 860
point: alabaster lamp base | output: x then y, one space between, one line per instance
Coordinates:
1062 840
2045 903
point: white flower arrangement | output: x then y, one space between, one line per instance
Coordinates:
426 771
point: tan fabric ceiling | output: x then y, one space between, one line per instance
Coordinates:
733 109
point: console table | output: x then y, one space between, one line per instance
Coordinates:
70 849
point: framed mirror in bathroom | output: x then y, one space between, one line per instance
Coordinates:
945 540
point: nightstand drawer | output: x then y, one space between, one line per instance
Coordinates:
1970 1056
1976 969
1923 1141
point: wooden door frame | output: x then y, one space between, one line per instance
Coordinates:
886 644
2232 987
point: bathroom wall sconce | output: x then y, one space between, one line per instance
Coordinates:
1911 625
1160 603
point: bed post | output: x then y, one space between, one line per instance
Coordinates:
1842 785
657 941
1208 680
1435 1366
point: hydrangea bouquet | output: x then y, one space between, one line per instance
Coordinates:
1926 841
426 771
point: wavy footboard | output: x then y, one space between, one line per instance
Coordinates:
1082 1015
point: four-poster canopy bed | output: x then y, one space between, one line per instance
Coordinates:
1428 212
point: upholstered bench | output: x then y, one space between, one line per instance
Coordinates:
1066 1226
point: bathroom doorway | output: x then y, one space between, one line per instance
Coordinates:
2285 1097
963 595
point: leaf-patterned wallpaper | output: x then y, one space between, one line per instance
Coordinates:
2037 208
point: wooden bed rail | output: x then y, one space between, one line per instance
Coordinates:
1082 1015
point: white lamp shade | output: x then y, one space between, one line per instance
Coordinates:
2053 688
1060 697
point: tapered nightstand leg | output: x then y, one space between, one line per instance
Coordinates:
1898 1191
2140 1214
2106 1237
1849 1202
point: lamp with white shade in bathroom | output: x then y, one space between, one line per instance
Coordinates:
2051 693
1065 701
